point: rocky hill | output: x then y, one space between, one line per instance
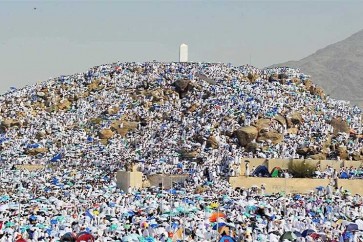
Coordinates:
165 113
338 68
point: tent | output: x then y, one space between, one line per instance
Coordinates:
344 175
359 222
276 172
261 171
213 218
84 236
307 232
57 157
227 238
68 237
218 225
298 234
352 227
290 236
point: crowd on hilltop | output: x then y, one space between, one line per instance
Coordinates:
171 118
223 100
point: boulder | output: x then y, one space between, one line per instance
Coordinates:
182 87
340 125
273 78
282 76
106 134
356 156
206 79
294 119
95 121
295 80
200 189
147 105
342 152
7 123
251 147
41 94
64 105
303 151
113 110
319 156
39 105
327 143
83 94
94 86
36 151
279 118
104 141
212 142
308 84
307 151
138 69
317 91
262 124
189 154
146 184
122 127
41 134
252 77
246 134
193 108
292 130
274 136
157 94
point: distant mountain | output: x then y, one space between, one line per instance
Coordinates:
338 68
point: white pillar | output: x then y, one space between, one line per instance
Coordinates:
183 53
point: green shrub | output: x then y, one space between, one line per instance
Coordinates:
301 169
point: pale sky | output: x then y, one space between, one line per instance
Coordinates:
66 37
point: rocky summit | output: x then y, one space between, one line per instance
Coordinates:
176 112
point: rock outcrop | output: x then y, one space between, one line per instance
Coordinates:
319 156
295 119
272 136
182 87
212 142
246 134
342 152
106 134
122 127
189 154
340 125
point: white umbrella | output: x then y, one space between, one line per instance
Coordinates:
359 222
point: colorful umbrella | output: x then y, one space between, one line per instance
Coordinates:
213 218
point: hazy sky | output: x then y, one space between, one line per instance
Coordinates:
65 37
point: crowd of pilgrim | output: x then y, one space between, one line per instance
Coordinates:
77 191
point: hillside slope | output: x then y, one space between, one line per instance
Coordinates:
338 68
166 113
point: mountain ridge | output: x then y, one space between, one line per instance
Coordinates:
338 68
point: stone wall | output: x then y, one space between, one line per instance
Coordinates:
284 163
125 179
276 185
294 185
166 180
30 167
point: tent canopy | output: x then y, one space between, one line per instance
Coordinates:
261 171
276 172
227 238
344 175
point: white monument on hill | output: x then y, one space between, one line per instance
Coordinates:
183 53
